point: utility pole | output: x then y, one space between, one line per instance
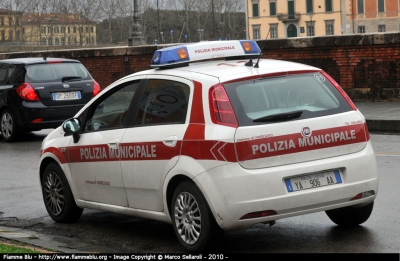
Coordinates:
136 38
212 10
158 22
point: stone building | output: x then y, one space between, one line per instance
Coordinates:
10 26
58 29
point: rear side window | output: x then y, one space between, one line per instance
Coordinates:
55 72
163 102
311 94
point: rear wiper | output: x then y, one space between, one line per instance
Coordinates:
280 116
70 78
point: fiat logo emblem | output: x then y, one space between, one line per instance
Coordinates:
66 85
306 132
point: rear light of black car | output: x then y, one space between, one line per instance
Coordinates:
27 92
96 88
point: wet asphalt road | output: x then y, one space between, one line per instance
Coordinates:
96 231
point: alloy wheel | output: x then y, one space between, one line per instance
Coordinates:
54 193
187 218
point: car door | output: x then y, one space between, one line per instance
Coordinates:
152 146
94 159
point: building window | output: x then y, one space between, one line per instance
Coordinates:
18 36
256 12
256 32
381 6
10 35
360 6
381 28
56 29
57 41
49 29
62 40
43 29
50 41
272 8
43 41
62 29
309 6
17 21
361 29
290 9
10 21
328 6
3 35
310 28
2 21
69 29
74 30
91 29
273 31
329 27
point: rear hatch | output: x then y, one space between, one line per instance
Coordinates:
61 83
294 118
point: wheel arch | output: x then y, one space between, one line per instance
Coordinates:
45 162
172 185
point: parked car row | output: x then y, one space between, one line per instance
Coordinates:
39 93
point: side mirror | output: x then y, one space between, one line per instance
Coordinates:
72 126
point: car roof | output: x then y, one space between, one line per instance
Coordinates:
232 69
36 60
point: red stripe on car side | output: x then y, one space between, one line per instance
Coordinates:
56 152
294 143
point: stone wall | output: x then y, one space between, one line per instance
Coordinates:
367 66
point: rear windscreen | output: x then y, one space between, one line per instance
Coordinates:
290 97
56 72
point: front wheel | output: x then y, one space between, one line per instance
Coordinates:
350 216
57 196
193 222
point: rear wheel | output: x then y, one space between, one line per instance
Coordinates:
193 222
57 196
350 216
8 126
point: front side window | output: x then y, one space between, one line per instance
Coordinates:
328 6
163 102
262 101
272 8
111 111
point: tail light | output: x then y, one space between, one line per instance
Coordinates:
367 137
220 107
27 92
96 88
340 89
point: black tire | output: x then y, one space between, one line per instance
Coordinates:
350 216
191 213
57 196
8 126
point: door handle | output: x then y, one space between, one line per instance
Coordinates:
170 141
113 144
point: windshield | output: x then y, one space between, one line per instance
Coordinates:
284 98
56 72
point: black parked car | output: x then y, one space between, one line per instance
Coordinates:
40 93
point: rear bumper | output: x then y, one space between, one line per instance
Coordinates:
52 116
233 191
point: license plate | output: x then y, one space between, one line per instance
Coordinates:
64 96
313 181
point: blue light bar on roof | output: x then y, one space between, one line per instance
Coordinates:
183 54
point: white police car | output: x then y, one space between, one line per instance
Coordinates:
214 144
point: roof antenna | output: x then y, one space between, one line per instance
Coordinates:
256 65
